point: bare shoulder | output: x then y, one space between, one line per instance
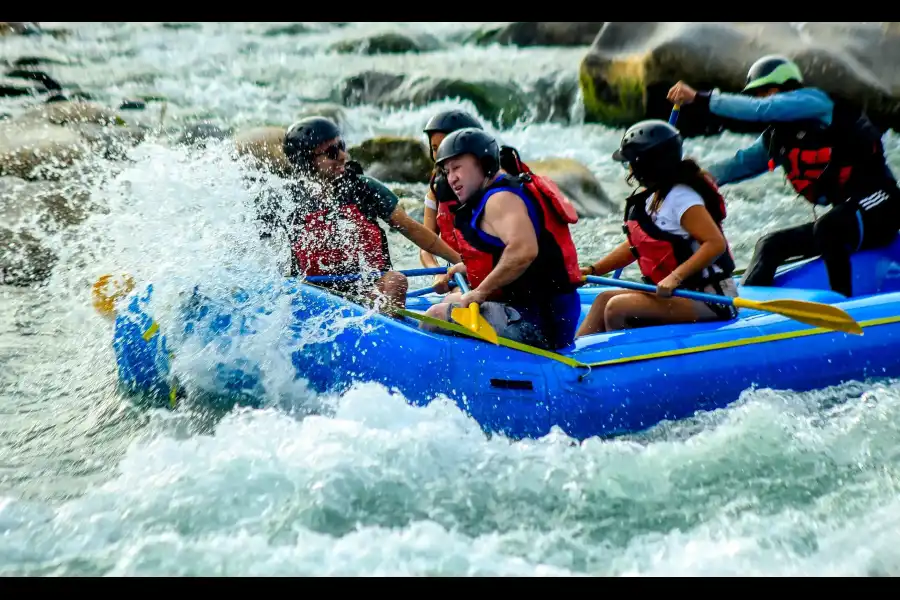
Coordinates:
504 202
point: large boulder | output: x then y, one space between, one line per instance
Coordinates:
199 134
578 183
42 206
542 33
394 159
264 146
41 151
630 66
42 142
70 112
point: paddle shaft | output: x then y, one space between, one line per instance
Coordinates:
354 276
428 290
463 286
474 309
643 287
673 118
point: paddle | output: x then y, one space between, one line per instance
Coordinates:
107 290
811 313
471 318
673 118
354 276
428 290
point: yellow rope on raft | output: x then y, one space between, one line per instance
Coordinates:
761 339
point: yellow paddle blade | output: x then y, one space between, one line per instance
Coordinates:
107 289
811 313
471 319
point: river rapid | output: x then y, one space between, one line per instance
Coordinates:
779 483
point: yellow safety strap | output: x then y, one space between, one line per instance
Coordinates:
761 339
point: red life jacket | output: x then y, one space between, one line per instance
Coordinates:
828 164
659 252
339 241
446 201
555 271
539 186
447 204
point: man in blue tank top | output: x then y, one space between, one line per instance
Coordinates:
516 267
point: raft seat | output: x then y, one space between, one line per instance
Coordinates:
746 319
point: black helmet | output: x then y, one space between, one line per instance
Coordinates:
305 135
476 142
449 121
650 147
772 71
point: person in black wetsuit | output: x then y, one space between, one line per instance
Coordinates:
830 152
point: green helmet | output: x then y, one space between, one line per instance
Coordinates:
772 71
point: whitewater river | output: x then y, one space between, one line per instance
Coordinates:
779 483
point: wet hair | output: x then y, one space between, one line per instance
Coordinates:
688 173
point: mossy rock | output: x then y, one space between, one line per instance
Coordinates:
630 67
501 103
613 95
394 159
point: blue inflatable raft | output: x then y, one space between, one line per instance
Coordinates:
604 385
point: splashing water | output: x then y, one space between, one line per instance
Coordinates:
364 484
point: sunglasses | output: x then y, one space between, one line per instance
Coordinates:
333 151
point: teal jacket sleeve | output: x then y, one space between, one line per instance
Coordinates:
745 164
799 105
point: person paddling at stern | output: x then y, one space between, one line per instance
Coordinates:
673 226
523 267
334 229
831 154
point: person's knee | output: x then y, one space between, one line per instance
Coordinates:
604 297
618 308
437 311
768 245
440 312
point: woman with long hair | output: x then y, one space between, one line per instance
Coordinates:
673 225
